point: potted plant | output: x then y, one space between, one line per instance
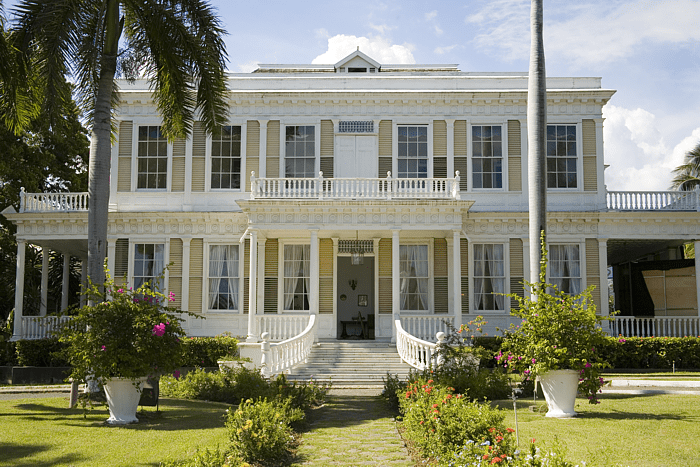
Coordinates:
122 337
557 342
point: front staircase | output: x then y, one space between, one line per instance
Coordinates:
351 364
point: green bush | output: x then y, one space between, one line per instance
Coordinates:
41 352
652 352
260 431
206 458
205 351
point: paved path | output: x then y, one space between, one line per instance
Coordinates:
352 430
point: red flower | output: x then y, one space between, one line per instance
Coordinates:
510 430
492 429
435 406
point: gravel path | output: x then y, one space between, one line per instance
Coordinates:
352 430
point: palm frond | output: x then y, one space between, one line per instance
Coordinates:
687 175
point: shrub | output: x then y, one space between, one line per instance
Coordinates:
205 351
261 431
41 352
198 384
484 453
207 458
393 386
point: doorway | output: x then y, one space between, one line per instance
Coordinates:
355 299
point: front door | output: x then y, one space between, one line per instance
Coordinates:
356 156
355 299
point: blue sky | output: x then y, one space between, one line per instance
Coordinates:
649 51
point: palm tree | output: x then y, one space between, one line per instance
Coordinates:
687 175
536 131
176 44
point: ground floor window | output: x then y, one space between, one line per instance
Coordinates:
149 261
565 268
414 271
489 276
223 277
297 277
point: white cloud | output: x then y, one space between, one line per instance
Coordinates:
378 48
432 19
321 33
592 32
248 67
444 50
639 155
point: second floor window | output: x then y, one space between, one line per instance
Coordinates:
561 156
300 151
152 159
226 158
413 152
487 156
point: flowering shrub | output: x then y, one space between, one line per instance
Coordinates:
260 431
485 453
437 420
125 334
559 331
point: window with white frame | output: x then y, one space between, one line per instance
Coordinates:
152 159
413 152
489 276
149 262
561 156
300 151
487 156
223 277
226 158
297 277
414 274
565 268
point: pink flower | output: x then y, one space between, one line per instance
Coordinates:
120 290
171 296
533 361
159 329
103 348
176 374
587 365
621 340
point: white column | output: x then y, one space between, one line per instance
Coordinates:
83 282
44 280
315 273
451 148
262 163
604 289
395 283
66 281
261 277
457 277
252 283
19 290
697 276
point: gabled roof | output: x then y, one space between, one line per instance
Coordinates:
370 61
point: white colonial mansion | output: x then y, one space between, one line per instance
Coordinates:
393 192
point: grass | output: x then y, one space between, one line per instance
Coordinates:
624 430
44 432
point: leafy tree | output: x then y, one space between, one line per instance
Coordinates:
687 175
175 44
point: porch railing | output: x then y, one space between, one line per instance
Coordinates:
282 327
354 188
39 327
426 327
416 352
652 200
283 356
629 326
49 202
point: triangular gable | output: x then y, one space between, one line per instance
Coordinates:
358 59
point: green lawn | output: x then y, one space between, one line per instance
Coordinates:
623 430
43 432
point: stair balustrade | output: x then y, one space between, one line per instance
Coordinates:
418 353
426 327
283 356
282 327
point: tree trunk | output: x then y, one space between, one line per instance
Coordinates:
536 143
101 148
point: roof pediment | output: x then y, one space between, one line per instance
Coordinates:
358 59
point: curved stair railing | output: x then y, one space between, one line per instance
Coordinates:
283 356
416 352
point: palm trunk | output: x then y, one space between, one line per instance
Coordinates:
101 149
536 131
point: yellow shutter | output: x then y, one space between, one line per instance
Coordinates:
514 145
385 294
589 137
196 274
385 140
516 269
464 264
272 160
515 174
178 182
126 129
461 138
252 152
439 138
461 167
175 271
593 271
199 152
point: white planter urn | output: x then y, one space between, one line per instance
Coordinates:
559 388
123 397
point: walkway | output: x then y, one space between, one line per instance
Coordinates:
353 428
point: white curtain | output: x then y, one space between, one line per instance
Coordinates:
489 276
158 265
565 268
414 277
232 271
217 255
294 269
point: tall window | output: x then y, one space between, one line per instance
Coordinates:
297 276
489 276
487 156
561 156
223 277
149 262
152 158
413 152
300 151
565 268
226 158
413 268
